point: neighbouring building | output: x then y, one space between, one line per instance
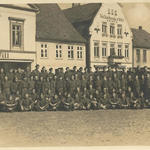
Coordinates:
141 47
58 44
17 48
107 33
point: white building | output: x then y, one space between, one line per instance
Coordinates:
58 44
104 26
141 47
17 46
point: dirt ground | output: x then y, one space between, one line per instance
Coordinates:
78 128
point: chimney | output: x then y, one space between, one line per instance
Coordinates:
140 27
75 4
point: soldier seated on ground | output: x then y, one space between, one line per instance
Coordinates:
134 102
2 100
11 103
77 102
141 99
124 103
85 104
114 102
93 101
68 102
42 103
54 103
27 104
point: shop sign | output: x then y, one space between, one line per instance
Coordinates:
113 19
4 55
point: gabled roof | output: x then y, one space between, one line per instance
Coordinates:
52 25
82 16
141 38
25 7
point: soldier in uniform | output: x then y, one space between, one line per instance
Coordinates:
60 85
31 83
6 87
11 103
136 86
77 101
54 103
114 101
10 75
98 84
51 74
24 86
124 102
68 102
42 103
14 86
27 104
93 101
36 72
2 101
85 102
2 74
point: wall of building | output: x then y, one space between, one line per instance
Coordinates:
97 35
142 63
28 31
52 61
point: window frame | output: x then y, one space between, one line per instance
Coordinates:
138 57
104 28
104 49
119 30
126 51
79 52
58 52
96 49
144 56
43 50
70 52
20 23
119 50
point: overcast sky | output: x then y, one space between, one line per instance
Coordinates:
137 14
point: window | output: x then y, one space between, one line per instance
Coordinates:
119 50
96 49
119 31
104 49
79 52
44 51
16 32
70 52
112 49
144 56
127 51
112 30
138 55
104 28
58 51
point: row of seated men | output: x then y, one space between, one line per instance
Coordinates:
78 100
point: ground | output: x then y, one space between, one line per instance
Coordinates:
78 128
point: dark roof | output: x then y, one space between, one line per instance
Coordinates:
82 16
31 8
52 25
141 38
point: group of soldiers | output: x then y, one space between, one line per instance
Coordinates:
74 89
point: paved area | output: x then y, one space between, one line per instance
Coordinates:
78 128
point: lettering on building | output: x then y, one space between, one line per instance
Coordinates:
111 19
4 55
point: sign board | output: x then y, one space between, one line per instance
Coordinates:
4 55
113 19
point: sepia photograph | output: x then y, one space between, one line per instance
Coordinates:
74 74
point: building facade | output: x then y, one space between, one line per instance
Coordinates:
58 44
141 47
104 26
17 48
